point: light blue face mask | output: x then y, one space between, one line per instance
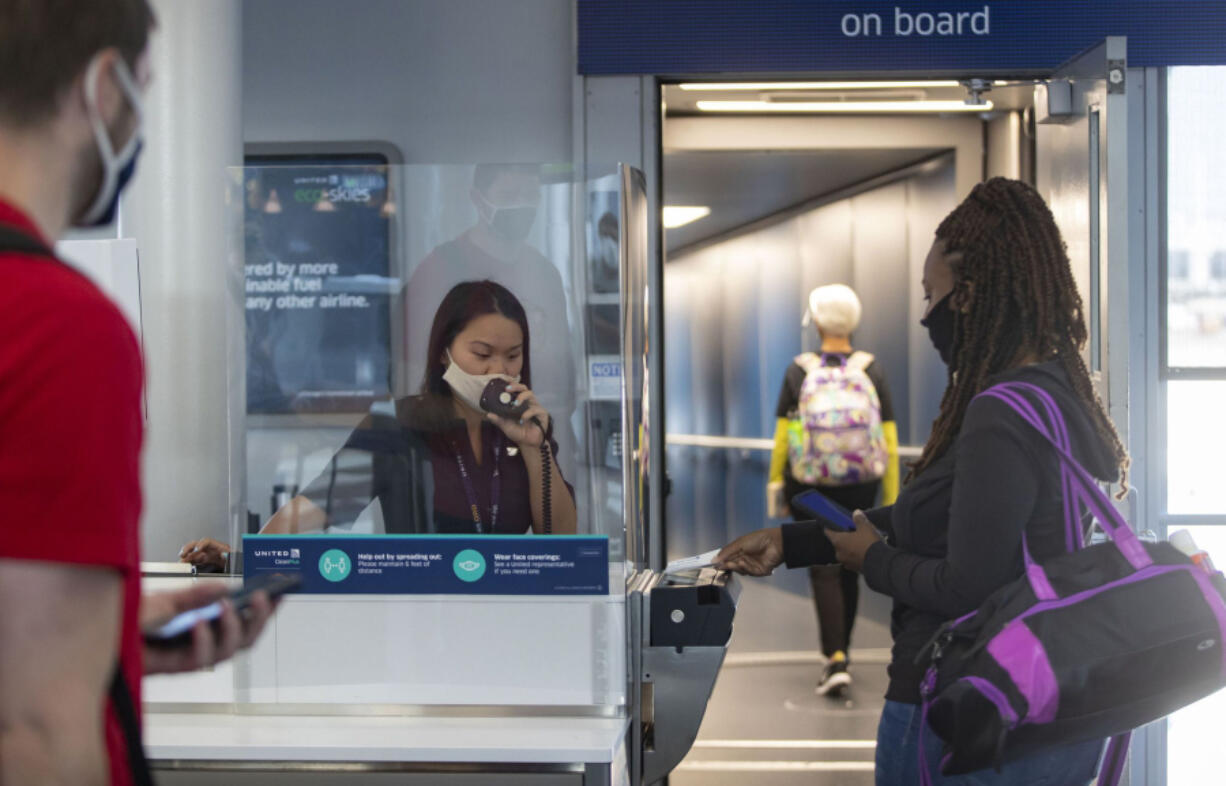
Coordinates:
117 168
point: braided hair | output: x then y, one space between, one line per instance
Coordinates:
1011 269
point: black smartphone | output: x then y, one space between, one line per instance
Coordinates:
177 631
831 514
497 399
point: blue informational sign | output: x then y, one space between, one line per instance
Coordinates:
435 564
680 37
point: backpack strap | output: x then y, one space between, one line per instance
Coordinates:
809 361
125 710
15 241
860 361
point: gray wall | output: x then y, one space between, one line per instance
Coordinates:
446 81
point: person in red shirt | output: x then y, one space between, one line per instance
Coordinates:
71 652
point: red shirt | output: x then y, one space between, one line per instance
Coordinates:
70 436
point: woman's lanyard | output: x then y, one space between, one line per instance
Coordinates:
471 493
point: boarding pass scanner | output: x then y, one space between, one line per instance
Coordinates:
680 627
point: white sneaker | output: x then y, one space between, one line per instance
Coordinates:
835 679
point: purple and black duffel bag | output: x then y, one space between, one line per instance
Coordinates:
1090 644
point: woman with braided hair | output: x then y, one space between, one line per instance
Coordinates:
1002 307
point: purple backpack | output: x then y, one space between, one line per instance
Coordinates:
1090 644
836 437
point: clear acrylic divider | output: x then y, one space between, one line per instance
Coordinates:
371 305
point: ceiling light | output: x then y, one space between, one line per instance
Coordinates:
723 86
842 106
680 215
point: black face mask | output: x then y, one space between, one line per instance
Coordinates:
940 324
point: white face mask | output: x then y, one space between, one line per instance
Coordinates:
608 252
469 387
117 167
510 222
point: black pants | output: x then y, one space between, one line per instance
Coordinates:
836 590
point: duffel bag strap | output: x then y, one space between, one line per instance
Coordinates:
1054 429
925 778
1058 434
1112 768
1073 535
1092 495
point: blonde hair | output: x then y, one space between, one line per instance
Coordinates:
835 308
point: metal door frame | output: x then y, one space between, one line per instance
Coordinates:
620 118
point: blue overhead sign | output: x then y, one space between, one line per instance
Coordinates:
680 37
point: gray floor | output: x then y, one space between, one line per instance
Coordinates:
764 724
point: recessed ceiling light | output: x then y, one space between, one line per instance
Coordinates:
721 86
852 107
680 215
760 86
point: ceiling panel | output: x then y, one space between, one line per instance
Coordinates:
744 186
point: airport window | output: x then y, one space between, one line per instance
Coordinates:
1196 224
1196 428
1192 756
1194 374
1177 264
1217 266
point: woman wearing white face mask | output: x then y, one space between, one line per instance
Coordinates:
480 333
487 474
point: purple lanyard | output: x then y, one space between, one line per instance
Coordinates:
471 493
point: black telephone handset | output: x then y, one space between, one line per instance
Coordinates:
497 399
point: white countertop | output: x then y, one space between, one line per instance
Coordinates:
243 737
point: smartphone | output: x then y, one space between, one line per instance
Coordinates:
831 514
177 631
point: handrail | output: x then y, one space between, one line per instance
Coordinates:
705 441
755 443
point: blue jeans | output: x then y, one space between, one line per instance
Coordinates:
897 763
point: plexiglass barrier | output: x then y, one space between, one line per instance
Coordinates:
428 414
